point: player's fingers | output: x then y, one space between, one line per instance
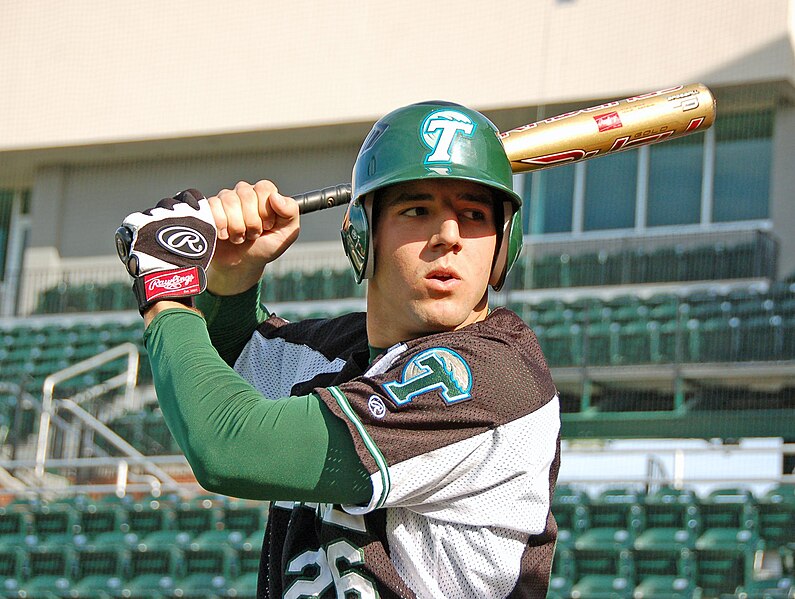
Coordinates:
232 207
219 215
266 191
249 207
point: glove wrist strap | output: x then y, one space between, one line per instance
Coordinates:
179 284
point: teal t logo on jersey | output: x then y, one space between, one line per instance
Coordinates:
437 369
440 129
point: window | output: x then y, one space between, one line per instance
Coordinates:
675 177
551 211
6 206
610 189
743 157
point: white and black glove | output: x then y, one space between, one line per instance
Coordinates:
167 249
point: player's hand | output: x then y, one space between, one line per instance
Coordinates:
167 249
256 225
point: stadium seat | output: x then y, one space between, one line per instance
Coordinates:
244 516
665 552
155 566
724 560
639 342
15 522
776 513
100 517
101 569
249 552
618 508
669 507
604 551
244 586
51 570
149 515
602 343
714 340
546 272
588 270
197 516
667 264
13 566
561 344
761 338
729 508
699 263
665 587
570 508
60 518
603 586
559 587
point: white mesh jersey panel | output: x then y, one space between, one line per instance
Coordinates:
461 515
274 366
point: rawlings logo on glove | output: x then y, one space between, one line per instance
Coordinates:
167 249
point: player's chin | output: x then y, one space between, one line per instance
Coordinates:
447 314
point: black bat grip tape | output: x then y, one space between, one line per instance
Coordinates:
320 199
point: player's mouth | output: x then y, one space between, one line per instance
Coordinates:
443 279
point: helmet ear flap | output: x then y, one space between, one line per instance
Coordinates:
357 237
511 242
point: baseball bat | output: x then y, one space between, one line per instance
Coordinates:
583 134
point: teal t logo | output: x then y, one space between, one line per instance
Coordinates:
439 130
436 369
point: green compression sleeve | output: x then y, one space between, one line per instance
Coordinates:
238 442
231 320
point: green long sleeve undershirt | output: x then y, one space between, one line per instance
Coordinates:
239 443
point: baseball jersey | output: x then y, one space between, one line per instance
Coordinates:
460 434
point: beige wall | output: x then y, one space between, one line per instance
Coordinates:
86 72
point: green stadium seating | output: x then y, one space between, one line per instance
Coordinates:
155 565
244 516
248 554
605 551
603 586
729 508
60 518
197 516
101 517
665 587
761 338
618 508
561 344
149 515
776 514
13 566
101 568
724 560
714 340
570 508
669 507
665 552
244 586
602 343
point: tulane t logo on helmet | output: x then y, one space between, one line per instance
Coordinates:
439 130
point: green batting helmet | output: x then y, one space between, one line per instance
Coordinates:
431 140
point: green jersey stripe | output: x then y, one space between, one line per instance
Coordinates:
380 461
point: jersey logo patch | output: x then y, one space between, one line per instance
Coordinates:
436 369
440 129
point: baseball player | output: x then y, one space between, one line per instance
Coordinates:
410 451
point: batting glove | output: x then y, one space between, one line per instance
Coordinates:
167 249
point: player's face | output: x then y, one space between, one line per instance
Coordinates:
434 245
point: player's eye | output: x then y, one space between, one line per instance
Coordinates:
415 211
476 215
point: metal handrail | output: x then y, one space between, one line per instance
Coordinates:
48 389
130 452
